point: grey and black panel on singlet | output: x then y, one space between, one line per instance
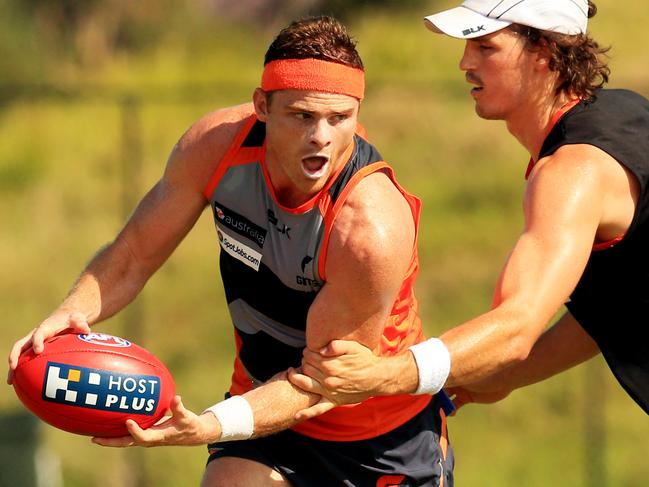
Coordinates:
269 258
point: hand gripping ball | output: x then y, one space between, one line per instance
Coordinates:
91 384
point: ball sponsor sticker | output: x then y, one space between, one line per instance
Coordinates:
101 389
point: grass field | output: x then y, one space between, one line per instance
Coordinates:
63 191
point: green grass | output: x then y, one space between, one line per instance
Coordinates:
61 179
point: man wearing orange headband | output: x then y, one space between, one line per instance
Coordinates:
318 242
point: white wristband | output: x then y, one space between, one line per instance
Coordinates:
236 419
433 364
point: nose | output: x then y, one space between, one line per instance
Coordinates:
467 62
321 133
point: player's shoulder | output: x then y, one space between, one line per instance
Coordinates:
575 176
576 162
214 132
376 192
200 149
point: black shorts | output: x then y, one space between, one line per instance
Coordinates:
416 453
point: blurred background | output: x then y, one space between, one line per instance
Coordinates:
93 96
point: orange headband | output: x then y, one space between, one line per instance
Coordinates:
313 75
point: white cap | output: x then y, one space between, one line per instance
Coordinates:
475 18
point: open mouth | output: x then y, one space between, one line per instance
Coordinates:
472 79
314 166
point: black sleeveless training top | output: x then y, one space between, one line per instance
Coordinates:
611 300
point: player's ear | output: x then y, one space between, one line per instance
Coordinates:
543 55
261 102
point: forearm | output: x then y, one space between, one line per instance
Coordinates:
481 348
261 412
268 409
476 350
397 374
275 404
465 354
112 279
560 348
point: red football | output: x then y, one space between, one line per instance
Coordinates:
91 384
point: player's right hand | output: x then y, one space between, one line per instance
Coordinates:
309 384
61 321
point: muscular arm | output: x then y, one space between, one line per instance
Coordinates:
544 267
570 202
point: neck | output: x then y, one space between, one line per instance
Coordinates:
530 124
286 192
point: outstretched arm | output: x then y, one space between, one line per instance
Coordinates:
564 210
366 252
118 272
560 347
161 220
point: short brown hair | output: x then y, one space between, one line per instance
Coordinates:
577 58
320 37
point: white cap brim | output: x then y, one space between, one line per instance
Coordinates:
463 23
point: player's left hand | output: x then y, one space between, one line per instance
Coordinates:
183 427
348 371
343 372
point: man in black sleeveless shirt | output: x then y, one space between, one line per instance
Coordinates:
585 241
